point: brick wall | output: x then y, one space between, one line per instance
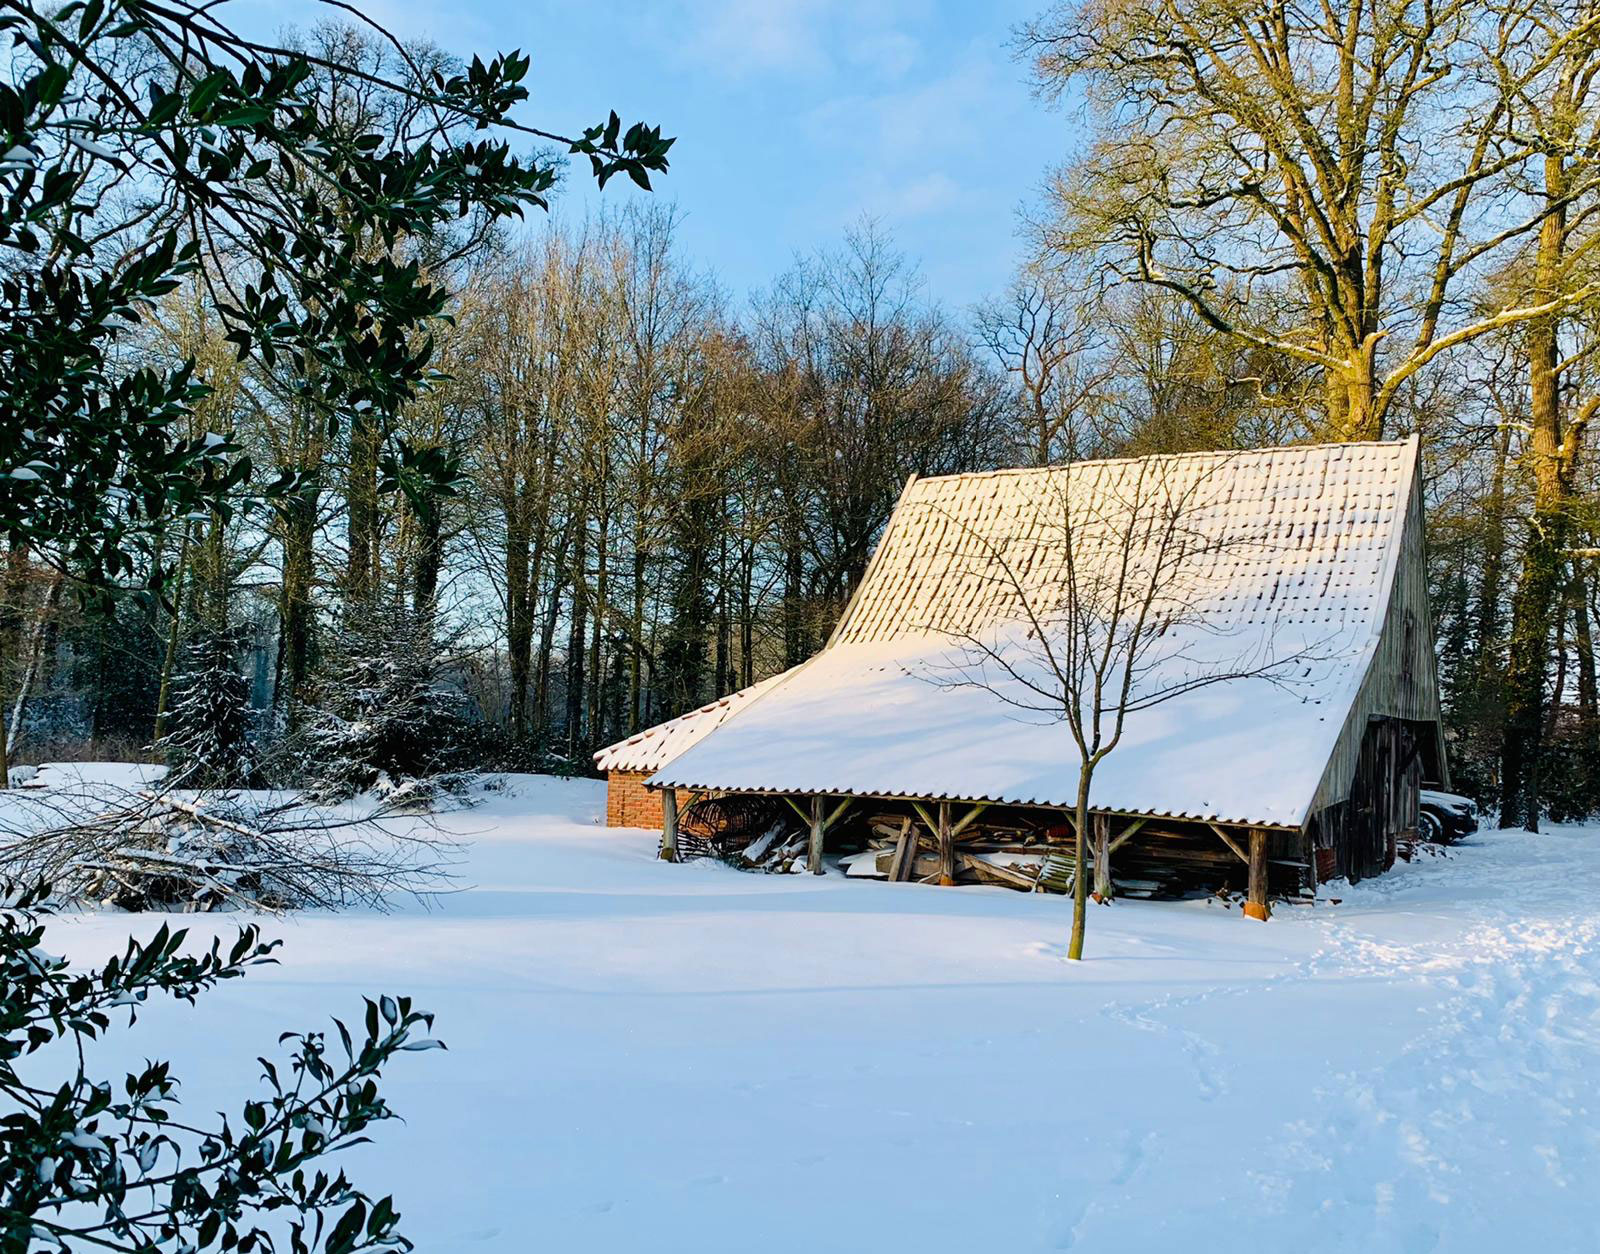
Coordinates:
629 803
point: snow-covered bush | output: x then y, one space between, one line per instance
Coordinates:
381 721
87 1163
209 745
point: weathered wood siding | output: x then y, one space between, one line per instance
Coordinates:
1402 681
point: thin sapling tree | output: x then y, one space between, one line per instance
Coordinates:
1111 611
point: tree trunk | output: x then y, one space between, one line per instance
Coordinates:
547 641
5 757
636 645
723 665
12 595
747 617
298 520
361 511
1544 558
520 581
30 671
1080 876
169 659
1588 697
794 651
576 644
212 585
1490 587
1583 642
429 559
596 701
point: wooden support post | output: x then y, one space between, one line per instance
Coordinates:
947 846
1255 906
669 824
819 826
1101 826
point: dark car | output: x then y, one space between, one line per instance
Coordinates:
1444 817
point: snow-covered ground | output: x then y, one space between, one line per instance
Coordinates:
647 1057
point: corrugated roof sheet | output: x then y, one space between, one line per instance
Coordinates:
1292 557
654 747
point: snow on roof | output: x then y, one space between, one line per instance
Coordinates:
1298 549
654 747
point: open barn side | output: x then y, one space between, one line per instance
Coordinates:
1028 848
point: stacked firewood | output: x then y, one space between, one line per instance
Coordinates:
1027 858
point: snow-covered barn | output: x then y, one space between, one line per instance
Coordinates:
1274 777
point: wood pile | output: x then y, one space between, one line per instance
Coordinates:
751 833
1028 857
1029 850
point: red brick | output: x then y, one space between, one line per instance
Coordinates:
629 803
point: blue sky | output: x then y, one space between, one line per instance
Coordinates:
794 117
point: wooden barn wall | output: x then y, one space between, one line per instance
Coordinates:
1402 681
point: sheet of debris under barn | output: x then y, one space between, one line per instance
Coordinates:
1284 714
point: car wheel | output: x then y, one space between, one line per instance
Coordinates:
1429 828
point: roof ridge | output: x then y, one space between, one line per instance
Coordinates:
1196 454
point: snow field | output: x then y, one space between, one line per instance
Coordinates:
646 1057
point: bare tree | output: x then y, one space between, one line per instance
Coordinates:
1361 152
1114 612
1048 339
1553 103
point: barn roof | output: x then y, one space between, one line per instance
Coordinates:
654 747
1294 553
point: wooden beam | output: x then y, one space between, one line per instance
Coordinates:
928 819
966 820
805 816
1127 834
991 873
1255 906
819 827
1232 843
669 824
947 846
844 804
1011 805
